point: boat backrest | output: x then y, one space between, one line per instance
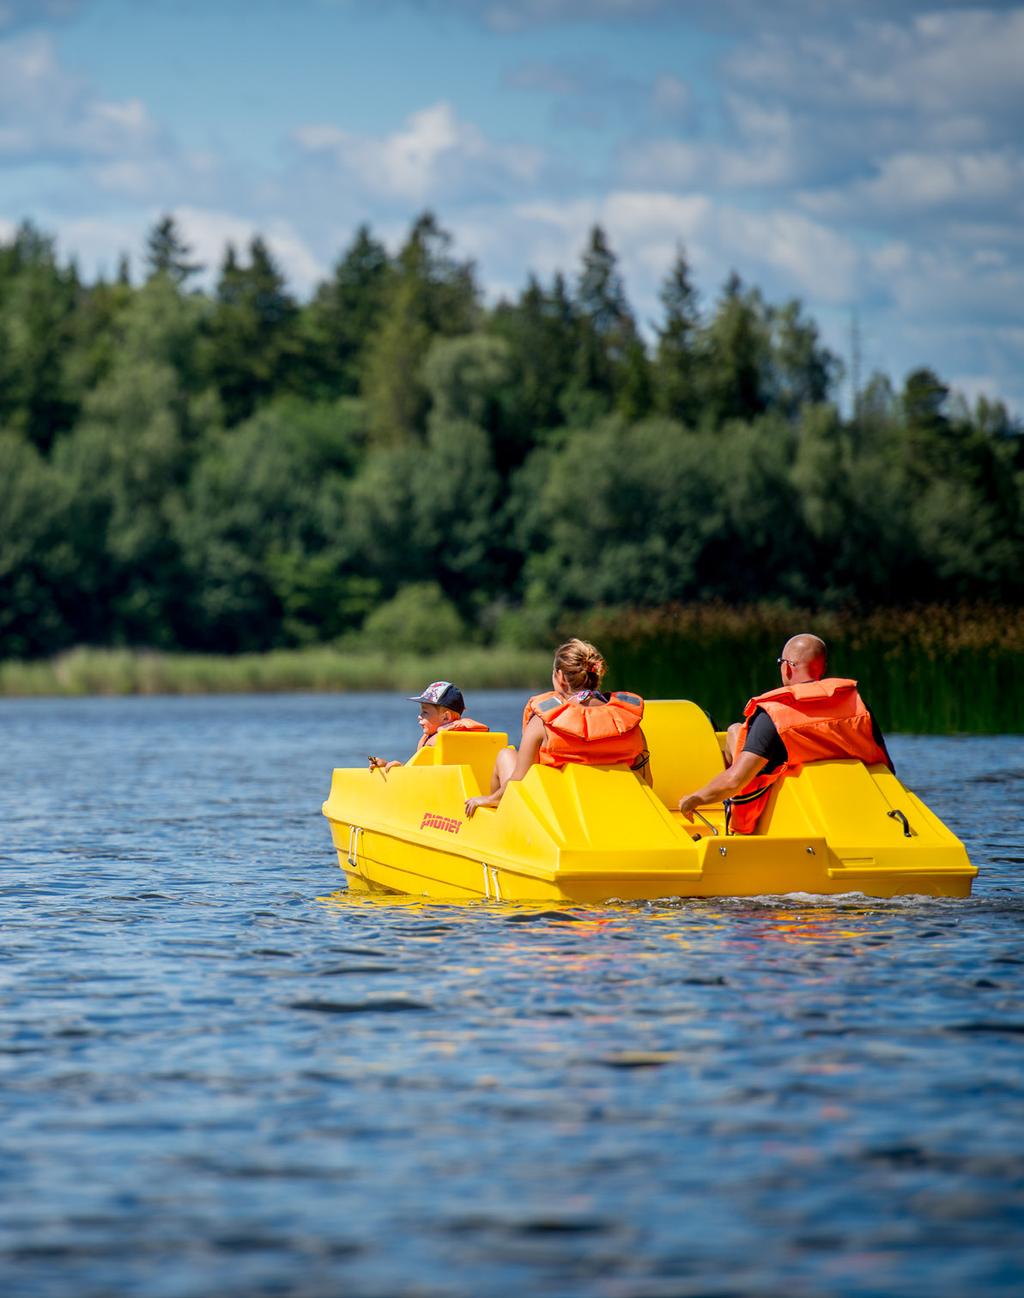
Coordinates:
473 748
685 752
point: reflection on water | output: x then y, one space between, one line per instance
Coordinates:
221 1075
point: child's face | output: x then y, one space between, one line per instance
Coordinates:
432 718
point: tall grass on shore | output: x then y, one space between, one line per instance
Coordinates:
955 669
124 671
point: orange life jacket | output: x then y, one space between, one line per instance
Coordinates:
463 723
590 734
816 721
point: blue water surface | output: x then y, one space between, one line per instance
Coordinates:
221 1076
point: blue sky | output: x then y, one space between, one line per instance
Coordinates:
866 158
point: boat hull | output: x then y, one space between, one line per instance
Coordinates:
586 835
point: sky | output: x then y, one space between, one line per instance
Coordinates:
866 158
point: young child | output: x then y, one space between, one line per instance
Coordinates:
442 707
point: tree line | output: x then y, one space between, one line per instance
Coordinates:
234 469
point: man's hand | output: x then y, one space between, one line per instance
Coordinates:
688 804
486 800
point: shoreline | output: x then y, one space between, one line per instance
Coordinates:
969 685
120 673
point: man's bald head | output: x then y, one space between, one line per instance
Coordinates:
807 655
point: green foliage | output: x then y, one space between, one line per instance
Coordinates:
37 303
35 559
930 669
419 619
626 521
421 512
123 671
251 340
343 316
236 471
167 253
463 376
541 331
677 360
261 530
430 294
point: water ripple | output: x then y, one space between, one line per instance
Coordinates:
219 1074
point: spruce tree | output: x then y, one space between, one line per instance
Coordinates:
343 315
168 254
430 294
251 340
607 332
677 359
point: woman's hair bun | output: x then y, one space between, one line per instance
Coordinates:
581 663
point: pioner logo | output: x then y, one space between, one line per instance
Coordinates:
433 821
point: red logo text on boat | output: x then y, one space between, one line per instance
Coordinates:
431 820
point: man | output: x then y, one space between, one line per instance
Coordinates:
811 718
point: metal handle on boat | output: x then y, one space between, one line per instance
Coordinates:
707 822
896 814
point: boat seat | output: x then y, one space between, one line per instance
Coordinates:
473 748
685 752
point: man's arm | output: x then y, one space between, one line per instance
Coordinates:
735 777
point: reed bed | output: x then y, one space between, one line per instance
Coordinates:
953 669
85 671
927 670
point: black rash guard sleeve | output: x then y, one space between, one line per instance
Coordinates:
763 741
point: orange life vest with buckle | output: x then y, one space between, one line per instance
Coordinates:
463 723
816 721
589 734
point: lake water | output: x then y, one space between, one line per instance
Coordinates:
222 1077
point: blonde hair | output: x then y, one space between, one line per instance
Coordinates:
580 664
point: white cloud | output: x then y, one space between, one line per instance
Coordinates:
765 165
784 252
671 96
934 62
46 112
973 386
908 181
98 243
954 285
433 153
209 232
847 158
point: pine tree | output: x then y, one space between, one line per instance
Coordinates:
37 305
343 315
251 340
430 294
736 355
168 254
677 360
607 332
541 330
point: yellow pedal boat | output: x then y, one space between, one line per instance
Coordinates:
592 834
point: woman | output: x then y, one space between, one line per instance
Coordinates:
575 723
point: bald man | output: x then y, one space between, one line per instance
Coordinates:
811 718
